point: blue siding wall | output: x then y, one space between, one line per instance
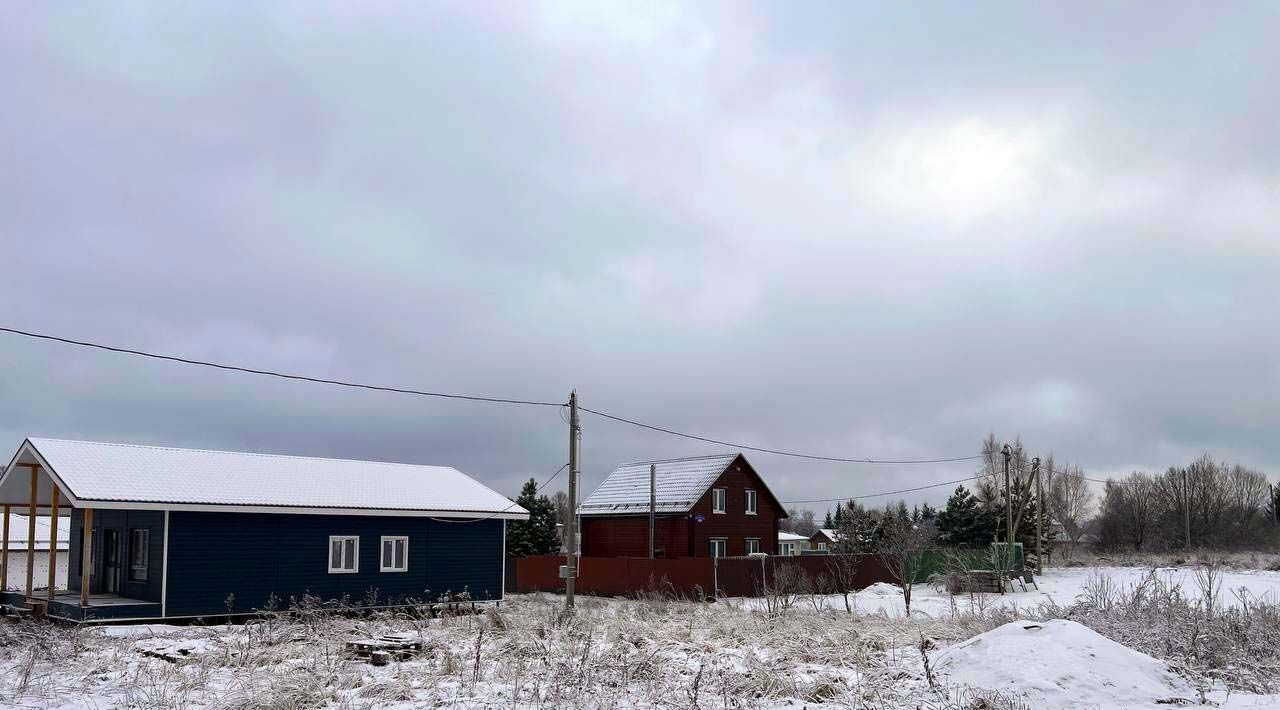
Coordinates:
122 521
255 555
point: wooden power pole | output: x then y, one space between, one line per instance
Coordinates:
1008 509
1035 471
653 502
571 571
1186 508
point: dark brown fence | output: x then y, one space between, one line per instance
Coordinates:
617 576
819 574
698 576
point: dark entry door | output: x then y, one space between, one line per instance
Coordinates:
110 561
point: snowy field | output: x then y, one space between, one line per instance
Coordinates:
1062 586
1104 638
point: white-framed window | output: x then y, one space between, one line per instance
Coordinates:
786 548
751 502
139 554
753 545
822 546
717 500
395 554
344 554
719 547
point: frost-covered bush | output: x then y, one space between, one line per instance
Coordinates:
1237 644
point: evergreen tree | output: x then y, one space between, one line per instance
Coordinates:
928 512
828 522
859 531
965 522
915 513
1273 506
901 512
537 535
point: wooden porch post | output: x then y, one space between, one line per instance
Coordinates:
31 531
4 552
86 556
53 539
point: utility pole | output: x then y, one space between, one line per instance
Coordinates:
1008 509
1035 471
571 573
653 503
1186 507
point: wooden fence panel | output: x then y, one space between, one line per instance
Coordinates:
618 576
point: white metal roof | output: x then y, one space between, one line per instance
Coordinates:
18 532
680 483
106 475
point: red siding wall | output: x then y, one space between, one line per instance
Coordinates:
734 524
628 535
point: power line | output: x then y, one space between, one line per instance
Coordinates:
471 398
885 493
793 454
281 375
935 485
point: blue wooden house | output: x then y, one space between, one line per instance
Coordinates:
166 533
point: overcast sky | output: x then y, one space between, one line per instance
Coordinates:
849 229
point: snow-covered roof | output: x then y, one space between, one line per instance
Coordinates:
680 483
830 533
791 537
18 532
106 475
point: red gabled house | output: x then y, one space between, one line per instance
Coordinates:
707 506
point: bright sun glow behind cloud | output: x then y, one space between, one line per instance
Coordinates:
955 171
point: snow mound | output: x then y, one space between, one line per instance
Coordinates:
882 589
1060 663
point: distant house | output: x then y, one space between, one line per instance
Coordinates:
707 506
161 532
823 540
790 544
15 571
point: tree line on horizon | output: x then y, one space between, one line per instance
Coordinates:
1228 507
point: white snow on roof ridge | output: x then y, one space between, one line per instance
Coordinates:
680 483
108 472
157 447
679 459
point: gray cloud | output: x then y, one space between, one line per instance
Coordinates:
871 232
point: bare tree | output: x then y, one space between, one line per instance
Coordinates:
561 502
1131 508
798 521
1214 504
901 551
805 525
844 576
1070 504
990 487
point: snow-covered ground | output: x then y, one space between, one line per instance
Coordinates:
1061 586
651 653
